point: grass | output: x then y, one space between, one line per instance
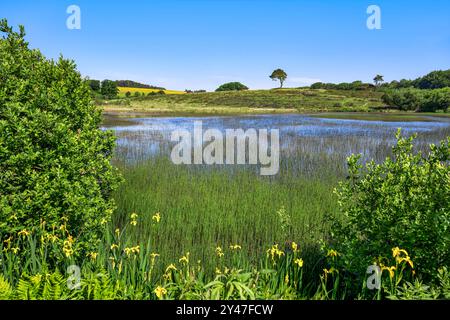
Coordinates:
203 209
250 102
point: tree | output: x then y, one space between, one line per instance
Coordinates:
378 79
55 170
128 94
94 85
280 75
232 86
109 89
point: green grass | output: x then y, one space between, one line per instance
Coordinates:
252 101
202 209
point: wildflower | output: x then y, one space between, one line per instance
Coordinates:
117 231
113 262
397 251
218 271
160 292
275 252
114 246
93 255
390 270
299 262
286 279
294 246
219 252
171 267
235 247
332 253
132 250
8 241
15 250
407 260
134 216
51 237
185 258
133 223
24 233
103 221
156 217
154 255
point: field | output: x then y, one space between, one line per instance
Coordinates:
123 90
250 102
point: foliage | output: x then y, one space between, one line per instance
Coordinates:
434 80
54 160
134 84
94 85
232 86
109 89
280 75
418 100
355 85
378 79
404 201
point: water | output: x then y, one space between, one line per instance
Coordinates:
304 139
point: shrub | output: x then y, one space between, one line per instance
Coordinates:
402 202
232 86
128 94
54 159
418 100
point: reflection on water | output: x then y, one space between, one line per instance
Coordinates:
304 140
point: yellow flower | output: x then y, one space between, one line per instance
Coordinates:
103 221
8 241
133 223
294 246
154 255
407 260
171 267
117 231
286 279
132 250
93 255
299 262
24 233
219 252
185 258
114 246
390 270
332 253
160 292
15 250
134 216
397 251
156 217
275 252
235 247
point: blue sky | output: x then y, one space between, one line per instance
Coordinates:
182 44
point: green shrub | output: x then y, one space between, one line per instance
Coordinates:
232 86
402 202
418 100
54 160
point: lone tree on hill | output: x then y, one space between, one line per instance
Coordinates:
279 75
378 79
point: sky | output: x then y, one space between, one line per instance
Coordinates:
183 44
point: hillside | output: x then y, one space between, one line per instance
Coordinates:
252 101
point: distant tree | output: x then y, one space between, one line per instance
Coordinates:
128 94
161 92
378 79
434 80
109 89
137 94
232 86
94 85
279 75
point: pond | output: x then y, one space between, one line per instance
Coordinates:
304 139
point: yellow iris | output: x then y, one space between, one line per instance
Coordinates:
156 217
299 262
160 292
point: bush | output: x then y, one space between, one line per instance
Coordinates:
128 94
232 86
402 202
54 160
418 100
